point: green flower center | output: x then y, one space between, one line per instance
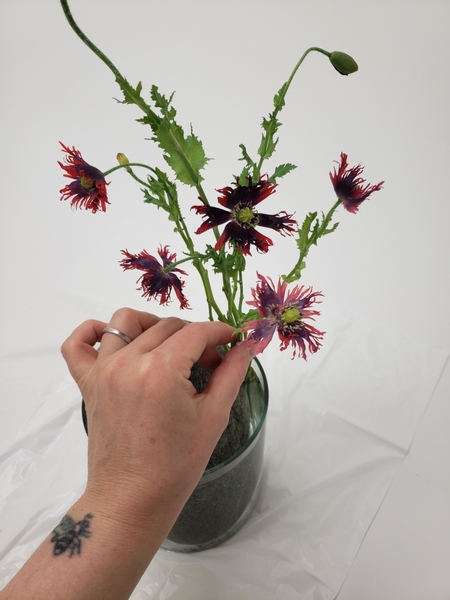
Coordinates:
290 315
87 183
245 215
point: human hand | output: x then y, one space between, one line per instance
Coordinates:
150 437
150 433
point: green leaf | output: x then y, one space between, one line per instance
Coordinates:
327 231
281 171
251 315
132 95
268 143
278 99
155 199
304 239
163 103
163 194
245 156
129 93
222 262
243 180
185 155
267 146
295 275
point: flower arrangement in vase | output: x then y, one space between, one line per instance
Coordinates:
238 227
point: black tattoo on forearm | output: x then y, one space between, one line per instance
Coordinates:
68 534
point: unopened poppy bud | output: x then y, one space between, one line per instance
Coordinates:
123 160
343 63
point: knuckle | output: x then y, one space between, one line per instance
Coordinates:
112 371
123 314
67 346
175 321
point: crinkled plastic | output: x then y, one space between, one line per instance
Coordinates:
337 430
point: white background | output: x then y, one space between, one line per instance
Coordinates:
226 59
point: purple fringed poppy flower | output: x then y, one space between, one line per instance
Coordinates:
285 314
88 188
242 218
349 187
156 282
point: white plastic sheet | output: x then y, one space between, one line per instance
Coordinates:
338 428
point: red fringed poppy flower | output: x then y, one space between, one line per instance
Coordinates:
156 282
88 188
285 314
349 187
242 218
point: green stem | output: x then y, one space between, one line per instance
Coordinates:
179 262
196 261
313 240
87 41
126 165
280 99
241 291
119 78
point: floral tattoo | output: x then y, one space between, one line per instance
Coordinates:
67 535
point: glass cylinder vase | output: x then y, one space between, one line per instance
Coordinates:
226 494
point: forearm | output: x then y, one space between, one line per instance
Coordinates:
99 550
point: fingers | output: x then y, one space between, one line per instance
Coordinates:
78 350
226 380
195 339
210 359
130 322
157 335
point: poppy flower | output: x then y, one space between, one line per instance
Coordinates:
286 314
88 188
242 218
155 281
349 186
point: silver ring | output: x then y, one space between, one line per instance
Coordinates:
122 336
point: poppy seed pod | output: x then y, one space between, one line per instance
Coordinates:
343 63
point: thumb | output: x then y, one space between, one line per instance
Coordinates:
228 376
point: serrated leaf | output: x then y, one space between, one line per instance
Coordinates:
163 194
268 143
251 315
327 231
132 95
295 275
304 238
243 180
278 99
281 171
185 155
267 146
270 125
245 156
163 103
129 92
155 199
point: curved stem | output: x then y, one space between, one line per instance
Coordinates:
280 100
133 94
87 41
124 166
